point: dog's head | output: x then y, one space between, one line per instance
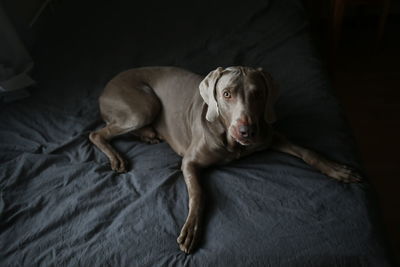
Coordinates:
242 98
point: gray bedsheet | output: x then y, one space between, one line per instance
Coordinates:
61 205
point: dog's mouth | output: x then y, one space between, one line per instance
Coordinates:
238 138
243 142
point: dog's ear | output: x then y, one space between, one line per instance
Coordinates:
207 92
272 95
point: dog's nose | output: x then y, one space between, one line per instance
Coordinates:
246 131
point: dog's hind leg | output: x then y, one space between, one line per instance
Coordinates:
147 134
101 137
124 109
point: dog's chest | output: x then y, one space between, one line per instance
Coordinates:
234 153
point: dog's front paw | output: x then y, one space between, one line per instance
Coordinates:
343 173
189 235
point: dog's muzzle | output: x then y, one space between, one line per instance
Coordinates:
244 134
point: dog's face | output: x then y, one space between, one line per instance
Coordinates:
242 98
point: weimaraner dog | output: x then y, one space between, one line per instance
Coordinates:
206 120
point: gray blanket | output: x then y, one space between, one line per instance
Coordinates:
61 205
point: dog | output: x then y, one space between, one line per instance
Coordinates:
206 120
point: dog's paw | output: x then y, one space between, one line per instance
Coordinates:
150 140
189 235
118 164
343 173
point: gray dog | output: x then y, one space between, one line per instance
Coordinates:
212 120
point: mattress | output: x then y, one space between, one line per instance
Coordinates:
62 205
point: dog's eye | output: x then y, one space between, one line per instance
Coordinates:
226 94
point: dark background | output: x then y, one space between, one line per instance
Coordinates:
364 69
365 72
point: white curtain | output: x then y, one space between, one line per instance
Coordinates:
15 62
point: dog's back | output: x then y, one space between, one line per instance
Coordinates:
178 97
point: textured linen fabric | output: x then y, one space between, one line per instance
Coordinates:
61 205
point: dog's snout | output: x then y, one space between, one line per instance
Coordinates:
246 131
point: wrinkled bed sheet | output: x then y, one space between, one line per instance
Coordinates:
61 205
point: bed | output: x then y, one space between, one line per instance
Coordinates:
61 205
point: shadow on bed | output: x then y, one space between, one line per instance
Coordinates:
61 205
